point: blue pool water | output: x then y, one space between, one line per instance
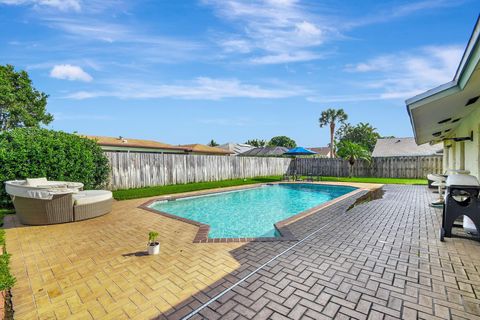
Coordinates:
251 213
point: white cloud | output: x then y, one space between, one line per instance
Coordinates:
92 29
400 76
426 67
282 2
307 29
62 5
282 31
13 2
126 42
89 29
70 72
236 45
382 63
49 64
48 7
274 31
286 57
399 11
201 88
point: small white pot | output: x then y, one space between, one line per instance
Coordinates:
154 248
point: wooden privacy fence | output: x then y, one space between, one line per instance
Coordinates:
137 169
381 167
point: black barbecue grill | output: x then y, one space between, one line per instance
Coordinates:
461 199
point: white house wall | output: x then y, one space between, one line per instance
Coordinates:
472 148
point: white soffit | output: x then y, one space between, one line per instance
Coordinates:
432 117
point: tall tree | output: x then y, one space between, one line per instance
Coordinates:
363 134
213 143
331 117
352 152
257 143
282 141
21 105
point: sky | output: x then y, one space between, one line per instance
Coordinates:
185 71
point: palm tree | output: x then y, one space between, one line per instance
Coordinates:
351 152
213 143
257 143
331 117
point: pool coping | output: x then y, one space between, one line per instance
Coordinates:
281 226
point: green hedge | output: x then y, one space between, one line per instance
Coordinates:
6 279
34 152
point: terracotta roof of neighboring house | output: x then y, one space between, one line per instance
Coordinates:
133 143
394 147
321 151
201 148
265 152
236 148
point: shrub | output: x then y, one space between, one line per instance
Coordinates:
34 152
6 279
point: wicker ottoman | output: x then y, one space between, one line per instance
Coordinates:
91 203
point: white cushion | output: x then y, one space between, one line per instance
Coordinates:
36 181
91 196
44 183
44 190
51 184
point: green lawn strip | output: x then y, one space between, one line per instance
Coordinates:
376 180
6 279
179 188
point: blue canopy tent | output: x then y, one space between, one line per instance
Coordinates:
298 151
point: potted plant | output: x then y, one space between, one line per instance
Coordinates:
153 244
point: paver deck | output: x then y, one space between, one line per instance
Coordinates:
382 259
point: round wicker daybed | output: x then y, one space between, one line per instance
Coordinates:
39 201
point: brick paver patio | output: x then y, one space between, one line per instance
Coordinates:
380 260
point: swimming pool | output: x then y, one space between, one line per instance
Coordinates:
251 213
